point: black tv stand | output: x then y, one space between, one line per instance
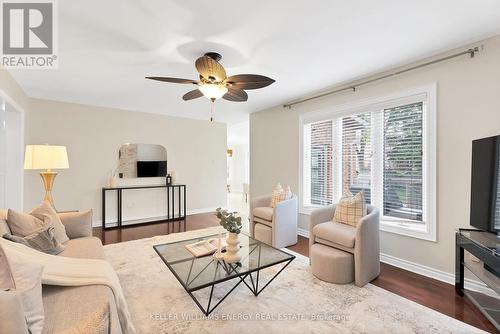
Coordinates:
485 247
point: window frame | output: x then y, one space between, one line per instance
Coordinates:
425 94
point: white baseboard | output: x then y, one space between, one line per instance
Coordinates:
425 270
303 232
437 274
98 223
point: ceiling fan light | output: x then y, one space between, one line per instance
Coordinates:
213 91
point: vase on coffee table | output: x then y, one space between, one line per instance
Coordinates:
232 249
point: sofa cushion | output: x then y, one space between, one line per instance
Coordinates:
264 212
334 245
338 233
6 278
12 316
85 248
67 306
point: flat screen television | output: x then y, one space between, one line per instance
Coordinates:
485 184
151 168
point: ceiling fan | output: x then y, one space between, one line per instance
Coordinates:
214 84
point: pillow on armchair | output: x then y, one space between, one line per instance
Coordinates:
280 194
350 209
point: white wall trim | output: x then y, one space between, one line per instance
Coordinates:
435 273
4 96
420 269
303 232
428 95
98 222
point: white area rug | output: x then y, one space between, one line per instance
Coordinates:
295 302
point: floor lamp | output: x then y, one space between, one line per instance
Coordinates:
47 157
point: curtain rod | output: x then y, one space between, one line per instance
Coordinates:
471 52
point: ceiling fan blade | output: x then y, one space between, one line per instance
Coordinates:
235 95
174 80
249 81
194 94
210 69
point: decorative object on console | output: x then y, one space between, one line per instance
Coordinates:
46 157
169 180
232 223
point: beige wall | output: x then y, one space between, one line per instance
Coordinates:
196 152
468 107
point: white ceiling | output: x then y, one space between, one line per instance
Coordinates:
106 48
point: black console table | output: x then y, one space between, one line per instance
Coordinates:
485 247
173 205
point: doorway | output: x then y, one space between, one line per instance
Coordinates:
238 169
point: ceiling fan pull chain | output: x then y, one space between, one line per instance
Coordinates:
212 111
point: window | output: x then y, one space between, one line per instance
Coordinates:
385 149
403 162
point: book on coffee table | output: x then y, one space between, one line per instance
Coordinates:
205 247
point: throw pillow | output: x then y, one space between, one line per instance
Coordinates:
27 277
47 214
77 224
12 319
350 209
22 224
42 240
280 194
276 196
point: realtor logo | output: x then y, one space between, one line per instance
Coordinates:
28 34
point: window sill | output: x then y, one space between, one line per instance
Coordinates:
307 210
424 232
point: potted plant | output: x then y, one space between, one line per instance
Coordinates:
231 221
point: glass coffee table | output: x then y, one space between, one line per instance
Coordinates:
206 272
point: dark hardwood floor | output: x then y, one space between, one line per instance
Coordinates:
426 291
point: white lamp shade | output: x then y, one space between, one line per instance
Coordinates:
45 157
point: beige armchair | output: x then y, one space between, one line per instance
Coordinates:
275 226
362 241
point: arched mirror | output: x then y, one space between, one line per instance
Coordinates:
142 160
